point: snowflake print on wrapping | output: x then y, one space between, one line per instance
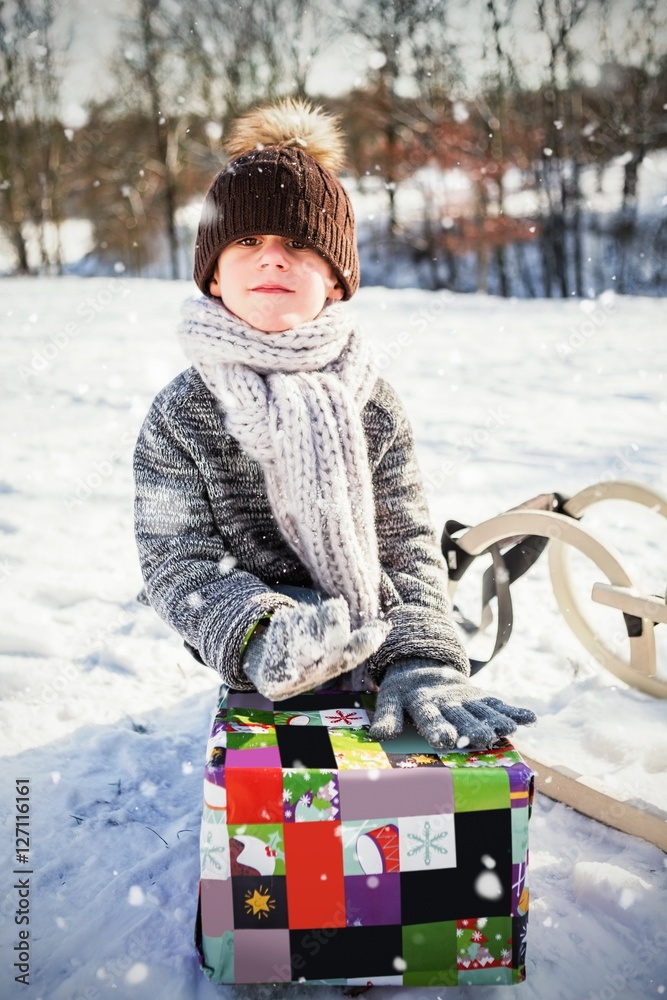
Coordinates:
208 850
346 718
427 843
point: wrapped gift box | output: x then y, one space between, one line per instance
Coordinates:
327 857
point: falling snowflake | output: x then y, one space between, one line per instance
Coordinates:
208 852
427 843
489 886
227 563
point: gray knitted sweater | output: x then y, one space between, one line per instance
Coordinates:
210 549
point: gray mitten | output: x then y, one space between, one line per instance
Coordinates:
307 645
446 708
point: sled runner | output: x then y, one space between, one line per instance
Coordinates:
515 540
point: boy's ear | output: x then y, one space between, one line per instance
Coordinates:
337 292
214 285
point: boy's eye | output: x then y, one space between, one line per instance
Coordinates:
248 241
297 246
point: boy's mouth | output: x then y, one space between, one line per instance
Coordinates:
270 288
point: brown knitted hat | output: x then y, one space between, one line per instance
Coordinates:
272 186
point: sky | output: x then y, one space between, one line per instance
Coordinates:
94 28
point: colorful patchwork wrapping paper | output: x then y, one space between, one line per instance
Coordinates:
329 858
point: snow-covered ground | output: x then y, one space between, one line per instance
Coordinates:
107 715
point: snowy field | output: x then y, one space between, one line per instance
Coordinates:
107 715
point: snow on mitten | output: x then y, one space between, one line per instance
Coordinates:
308 645
446 708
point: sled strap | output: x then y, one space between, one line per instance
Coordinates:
496 583
506 567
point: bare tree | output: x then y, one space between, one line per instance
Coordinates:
12 151
244 53
219 45
562 159
408 41
291 33
151 52
187 68
33 144
632 122
501 76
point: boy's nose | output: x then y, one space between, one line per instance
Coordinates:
273 255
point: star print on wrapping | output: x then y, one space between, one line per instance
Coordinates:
415 758
259 903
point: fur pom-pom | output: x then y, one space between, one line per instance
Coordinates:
290 123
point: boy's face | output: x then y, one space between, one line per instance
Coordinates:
273 283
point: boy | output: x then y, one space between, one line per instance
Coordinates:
281 520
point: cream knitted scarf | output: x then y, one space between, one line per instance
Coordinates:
293 402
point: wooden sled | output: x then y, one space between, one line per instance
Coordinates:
552 521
